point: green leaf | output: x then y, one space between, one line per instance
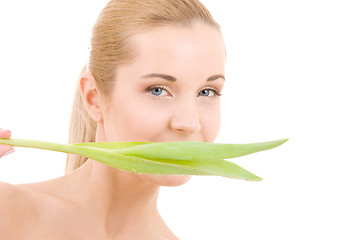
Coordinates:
173 167
163 158
196 151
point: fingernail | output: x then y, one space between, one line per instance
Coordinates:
9 152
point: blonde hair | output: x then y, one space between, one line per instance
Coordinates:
110 47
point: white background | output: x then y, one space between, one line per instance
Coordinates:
285 75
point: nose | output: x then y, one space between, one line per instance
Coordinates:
185 118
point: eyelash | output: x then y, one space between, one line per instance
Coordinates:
216 92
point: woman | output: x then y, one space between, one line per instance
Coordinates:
155 73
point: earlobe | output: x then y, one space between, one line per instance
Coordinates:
90 98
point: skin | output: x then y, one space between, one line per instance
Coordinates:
100 202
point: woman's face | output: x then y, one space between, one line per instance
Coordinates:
170 91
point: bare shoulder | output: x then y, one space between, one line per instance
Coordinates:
6 188
29 211
9 195
10 208
19 206
23 208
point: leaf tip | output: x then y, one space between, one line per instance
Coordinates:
259 179
281 141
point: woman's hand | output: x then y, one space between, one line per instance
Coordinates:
5 149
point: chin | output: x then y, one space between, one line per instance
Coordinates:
166 180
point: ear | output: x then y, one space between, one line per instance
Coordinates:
90 96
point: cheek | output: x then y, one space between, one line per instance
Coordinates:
135 120
210 118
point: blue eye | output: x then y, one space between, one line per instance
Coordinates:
209 93
204 92
158 91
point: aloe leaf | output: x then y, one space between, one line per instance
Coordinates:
196 151
127 156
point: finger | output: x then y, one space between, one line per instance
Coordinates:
5 133
5 150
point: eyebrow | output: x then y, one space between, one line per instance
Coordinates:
173 79
213 78
159 75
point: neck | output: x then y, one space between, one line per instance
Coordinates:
120 201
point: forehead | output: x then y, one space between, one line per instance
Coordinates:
199 46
